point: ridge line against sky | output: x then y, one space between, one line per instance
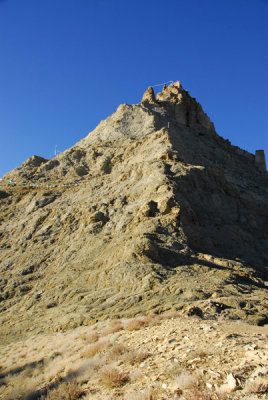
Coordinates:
67 65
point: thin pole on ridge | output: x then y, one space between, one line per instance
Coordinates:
160 84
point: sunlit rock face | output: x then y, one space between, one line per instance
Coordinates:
152 211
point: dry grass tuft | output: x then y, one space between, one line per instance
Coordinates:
258 385
112 377
186 381
65 391
116 351
91 338
116 326
177 369
170 315
94 348
136 375
133 357
136 324
20 387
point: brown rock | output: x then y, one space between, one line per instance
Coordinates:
149 95
159 222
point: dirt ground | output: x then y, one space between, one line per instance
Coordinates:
174 356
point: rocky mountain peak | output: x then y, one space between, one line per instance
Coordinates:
148 95
152 211
180 105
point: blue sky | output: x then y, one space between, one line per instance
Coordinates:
67 64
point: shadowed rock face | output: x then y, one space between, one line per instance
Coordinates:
167 213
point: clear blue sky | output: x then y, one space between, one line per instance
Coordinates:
67 64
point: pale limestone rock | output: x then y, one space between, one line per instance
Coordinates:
209 385
231 381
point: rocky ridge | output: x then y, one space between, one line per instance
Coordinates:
167 215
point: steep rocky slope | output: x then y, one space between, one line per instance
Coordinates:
167 214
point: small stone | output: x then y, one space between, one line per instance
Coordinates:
250 346
144 365
209 385
164 386
194 360
231 381
214 373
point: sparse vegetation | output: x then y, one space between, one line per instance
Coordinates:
112 377
135 324
133 357
95 348
186 381
115 352
115 326
257 385
65 391
91 338
133 365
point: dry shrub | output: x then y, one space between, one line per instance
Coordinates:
177 368
65 391
116 326
147 319
136 324
94 348
170 315
116 351
258 385
18 393
185 381
132 357
112 377
83 370
91 338
116 322
155 319
135 375
19 386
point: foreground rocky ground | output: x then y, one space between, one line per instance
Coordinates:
173 356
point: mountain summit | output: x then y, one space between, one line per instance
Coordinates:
152 211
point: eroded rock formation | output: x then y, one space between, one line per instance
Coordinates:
167 213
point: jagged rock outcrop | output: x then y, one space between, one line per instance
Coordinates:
149 96
167 213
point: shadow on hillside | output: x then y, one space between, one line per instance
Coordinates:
176 259
18 370
235 278
38 394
